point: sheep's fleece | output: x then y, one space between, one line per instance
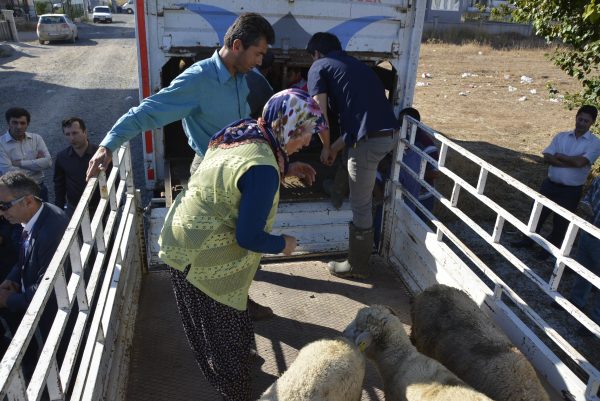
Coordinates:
407 374
325 370
449 327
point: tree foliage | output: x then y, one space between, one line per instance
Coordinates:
576 23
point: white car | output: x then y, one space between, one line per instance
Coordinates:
128 7
102 14
56 27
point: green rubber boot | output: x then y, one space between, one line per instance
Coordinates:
360 248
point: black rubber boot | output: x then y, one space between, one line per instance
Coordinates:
360 248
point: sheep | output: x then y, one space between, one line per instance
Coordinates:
325 370
407 374
448 326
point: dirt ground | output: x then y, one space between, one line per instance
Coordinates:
468 98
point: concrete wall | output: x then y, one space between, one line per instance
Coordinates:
488 27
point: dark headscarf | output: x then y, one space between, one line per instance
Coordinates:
284 117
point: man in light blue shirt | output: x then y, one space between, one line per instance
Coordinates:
206 97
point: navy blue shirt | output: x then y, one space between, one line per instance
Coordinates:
258 186
355 91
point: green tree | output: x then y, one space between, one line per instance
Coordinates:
575 23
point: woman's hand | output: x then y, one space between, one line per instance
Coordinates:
303 171
290 245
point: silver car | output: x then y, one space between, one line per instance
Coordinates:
56 27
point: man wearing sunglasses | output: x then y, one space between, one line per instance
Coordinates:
43 228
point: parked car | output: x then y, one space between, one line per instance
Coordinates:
102 14
52 27
129 7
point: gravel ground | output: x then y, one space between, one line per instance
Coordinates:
95 79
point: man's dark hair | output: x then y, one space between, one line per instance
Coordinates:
411 112
67 122
588 109
19 184
16 112
324 43
249 28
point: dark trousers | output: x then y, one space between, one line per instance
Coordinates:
220 336
566 196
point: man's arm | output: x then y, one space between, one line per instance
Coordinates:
554 161
42 252
6 163
573 161
170 104
321 100
60 187
42 160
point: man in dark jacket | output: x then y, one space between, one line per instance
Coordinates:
43 226
346 85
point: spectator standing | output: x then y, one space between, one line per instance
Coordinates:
24 151
588 252
368 124
43 225
71 165
570 156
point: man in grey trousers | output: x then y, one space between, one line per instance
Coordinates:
367 122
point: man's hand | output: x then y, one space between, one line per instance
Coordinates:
99 161
337 146
4 294
10 285
303 171
290 245
40 155
16 163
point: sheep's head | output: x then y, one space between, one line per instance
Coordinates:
369 326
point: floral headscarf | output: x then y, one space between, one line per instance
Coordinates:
289 111
284 117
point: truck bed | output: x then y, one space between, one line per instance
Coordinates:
309 304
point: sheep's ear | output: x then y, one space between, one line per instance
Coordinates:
363 341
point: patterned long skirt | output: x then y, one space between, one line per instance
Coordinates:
220 336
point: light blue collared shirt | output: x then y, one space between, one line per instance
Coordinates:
206 97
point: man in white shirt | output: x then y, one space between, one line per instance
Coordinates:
23 151
570 156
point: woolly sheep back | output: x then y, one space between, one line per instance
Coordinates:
407 374
448 326
325 370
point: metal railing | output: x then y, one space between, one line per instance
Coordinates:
93 266
563 256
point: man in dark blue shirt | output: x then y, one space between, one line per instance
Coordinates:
367 122
71 166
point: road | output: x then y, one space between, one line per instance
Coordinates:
95 79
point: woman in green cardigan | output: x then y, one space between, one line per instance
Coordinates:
217 230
